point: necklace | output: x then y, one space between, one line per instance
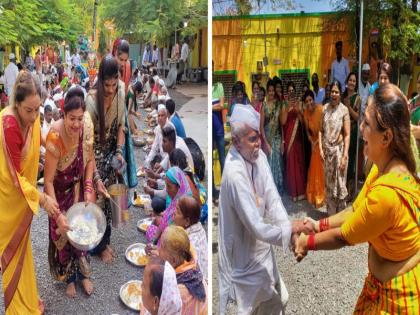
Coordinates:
386 165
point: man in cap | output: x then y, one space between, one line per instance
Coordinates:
252 218
340 66
364 87
10 74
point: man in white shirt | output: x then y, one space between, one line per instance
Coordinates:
183 60
252 219
75 59
364 87
340 66
10 74
318 92
157 149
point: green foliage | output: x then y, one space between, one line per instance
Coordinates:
155 20
399 25
36 22
246 7
102 42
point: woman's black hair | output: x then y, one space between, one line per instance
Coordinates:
137 87
346 93
75 99
108 70
335 83
308 93
178 158
123 47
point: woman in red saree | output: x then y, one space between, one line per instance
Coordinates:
293 146
68 171
20 136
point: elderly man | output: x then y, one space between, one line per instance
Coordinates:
10 74
157 150
252 218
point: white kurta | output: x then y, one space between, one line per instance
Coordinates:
157 145
247 268
180 144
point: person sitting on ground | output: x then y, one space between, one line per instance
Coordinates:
176 249
160 294
170 141
176 187
131 103
187 215
175 119
156 149
149 97
176 158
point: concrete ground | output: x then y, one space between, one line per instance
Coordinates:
191 100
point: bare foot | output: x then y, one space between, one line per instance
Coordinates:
106 256
41 305
71 290
87 286
109 248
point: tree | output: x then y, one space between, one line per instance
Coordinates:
398 22
102 42
246 7
34 22
154 20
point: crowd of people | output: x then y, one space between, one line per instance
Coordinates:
305 145
80 136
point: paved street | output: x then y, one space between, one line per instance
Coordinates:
191 100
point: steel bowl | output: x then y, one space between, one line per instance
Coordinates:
139 141
91 215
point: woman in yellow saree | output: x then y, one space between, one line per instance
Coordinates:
20 137
386 213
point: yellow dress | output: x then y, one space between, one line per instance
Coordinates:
18 199
387 216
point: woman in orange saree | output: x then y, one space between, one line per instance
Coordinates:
20 136
315 191
385 214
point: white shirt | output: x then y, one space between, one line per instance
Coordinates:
46 128
10 74
247 231
319 98
198 240
340 71
184 52
157 146
155 55
180 144
364 94
76 60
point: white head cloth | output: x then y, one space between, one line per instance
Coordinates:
366 67
246 114
170 300
161 107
